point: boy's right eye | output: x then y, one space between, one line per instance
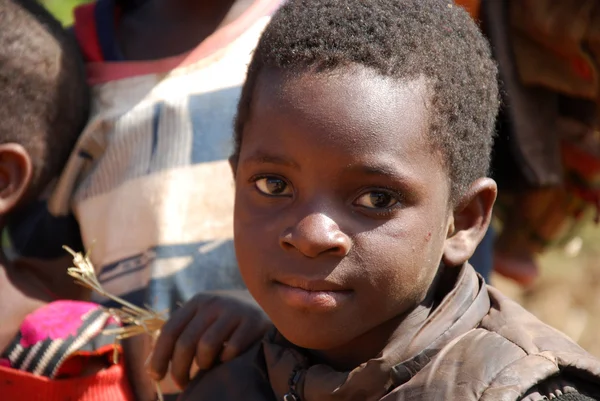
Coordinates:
273 186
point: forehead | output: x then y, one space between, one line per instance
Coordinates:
356 109
354 97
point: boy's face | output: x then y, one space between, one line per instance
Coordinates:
342 206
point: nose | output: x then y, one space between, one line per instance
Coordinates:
314 235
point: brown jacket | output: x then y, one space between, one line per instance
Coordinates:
476 345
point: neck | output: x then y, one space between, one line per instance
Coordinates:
371 344
49 278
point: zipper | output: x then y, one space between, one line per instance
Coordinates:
292 395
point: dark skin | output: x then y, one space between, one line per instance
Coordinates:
18 287
210 328
25 286
173 26
343 214
343 210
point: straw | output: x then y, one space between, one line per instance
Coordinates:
134 320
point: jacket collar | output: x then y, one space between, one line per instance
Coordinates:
294 379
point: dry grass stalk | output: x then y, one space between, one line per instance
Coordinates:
135 320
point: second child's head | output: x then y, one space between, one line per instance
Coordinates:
363 141
43 100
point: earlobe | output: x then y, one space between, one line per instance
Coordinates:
16 170
471 219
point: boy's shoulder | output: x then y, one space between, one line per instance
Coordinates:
243 378
511 355
543 352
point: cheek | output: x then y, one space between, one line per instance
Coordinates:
401 259
256 239
391 262
415 239
251 218
251 244
251 257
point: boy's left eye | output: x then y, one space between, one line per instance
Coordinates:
376 200
273 186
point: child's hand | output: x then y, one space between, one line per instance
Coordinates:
211 325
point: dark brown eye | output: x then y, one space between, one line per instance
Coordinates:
272 186
376 200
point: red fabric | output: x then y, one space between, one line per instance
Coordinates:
76 363
108 385
86 34
583 175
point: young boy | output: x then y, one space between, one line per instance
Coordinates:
363 142
50 349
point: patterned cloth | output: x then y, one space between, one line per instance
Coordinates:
56 333
149 182
61 353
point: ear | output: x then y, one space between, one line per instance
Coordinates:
233 163
470 221
16 170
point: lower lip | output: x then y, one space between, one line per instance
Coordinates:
313 300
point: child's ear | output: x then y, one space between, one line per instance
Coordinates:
233 163
470 221
16 170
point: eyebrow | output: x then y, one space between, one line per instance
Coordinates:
381 170
265 158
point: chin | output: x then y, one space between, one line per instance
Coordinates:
314 342
314 336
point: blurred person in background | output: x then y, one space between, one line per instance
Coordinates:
547 152
149 183
53 344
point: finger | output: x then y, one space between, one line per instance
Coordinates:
244 335
158 363
134 351
186 344
211 344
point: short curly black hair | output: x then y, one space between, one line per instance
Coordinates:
44 98
401 39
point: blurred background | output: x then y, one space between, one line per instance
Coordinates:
62 9
567 293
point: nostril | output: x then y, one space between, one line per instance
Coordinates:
287 246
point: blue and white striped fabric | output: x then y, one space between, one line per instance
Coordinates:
149 182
